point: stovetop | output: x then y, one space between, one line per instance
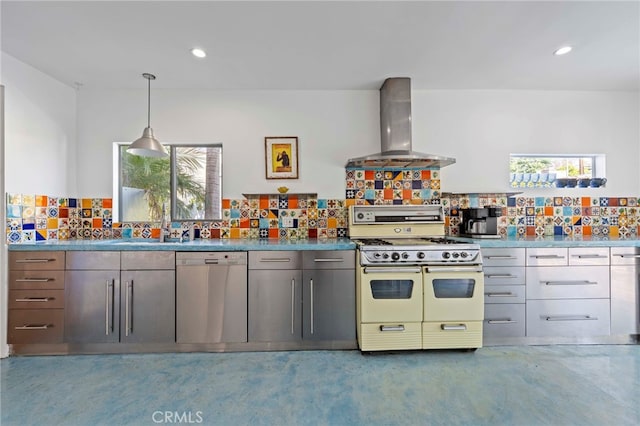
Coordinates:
417 251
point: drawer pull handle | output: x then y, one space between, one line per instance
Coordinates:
583 282
35 299
374 270
34 327
547 256
275 259
338 259
590 256
34 280
448 327
632 256
501 257
34 260
384 328
499 276
500 294
570 318
502 321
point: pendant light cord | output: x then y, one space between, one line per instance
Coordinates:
149 102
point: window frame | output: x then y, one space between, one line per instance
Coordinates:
598 164
173 171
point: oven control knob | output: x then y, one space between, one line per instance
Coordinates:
395 256
455 254
376 255
385 256
446 255
463 255
420 255
405 255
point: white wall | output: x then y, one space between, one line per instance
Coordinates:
40 131
331 126
481 128
478 128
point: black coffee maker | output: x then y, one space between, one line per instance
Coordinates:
480 222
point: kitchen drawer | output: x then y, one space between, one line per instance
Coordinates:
276 259
93 260
390 336
36 299
504 275
451 335
625 256
26 280
501 294
147 260
35 326
568 282
568 318
588 255
547 256
329 259
36 260
506 320
503 256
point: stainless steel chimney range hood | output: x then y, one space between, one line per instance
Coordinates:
395 132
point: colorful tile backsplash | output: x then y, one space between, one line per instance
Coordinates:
32 218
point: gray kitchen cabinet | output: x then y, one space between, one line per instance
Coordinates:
148 297
568 292
104 304
504 294
36 297
625 290
329 299
92 297
275 296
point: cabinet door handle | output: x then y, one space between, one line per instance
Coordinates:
500 276
384 328
577 282
448 327
311 288
500 294
34 280
34 260
35 299
127 327
108 315
33 327
502 321
569 318
293 301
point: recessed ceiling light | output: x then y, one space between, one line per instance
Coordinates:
563 50
198 53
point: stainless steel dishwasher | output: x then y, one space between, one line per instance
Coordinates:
211 297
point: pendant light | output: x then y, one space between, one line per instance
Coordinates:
147 145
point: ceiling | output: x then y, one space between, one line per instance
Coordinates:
329 44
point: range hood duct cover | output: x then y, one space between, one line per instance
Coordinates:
395 132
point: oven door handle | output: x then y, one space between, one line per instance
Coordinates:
385 270
472 268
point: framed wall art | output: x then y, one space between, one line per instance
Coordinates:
281 157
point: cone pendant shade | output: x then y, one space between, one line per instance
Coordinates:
147 145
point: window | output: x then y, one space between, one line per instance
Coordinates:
187 184
539 171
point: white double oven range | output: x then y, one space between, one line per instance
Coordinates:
415 289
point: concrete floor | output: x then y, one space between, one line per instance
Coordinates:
525 385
